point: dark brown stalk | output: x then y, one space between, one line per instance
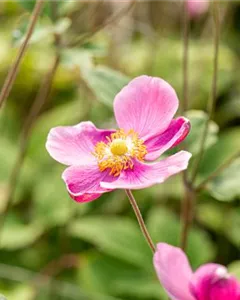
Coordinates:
12 74
40 100
212 102
187 215
140 220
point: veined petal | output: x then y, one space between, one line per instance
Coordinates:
146 105
172 136
212 281
73 145
83 182
174 271
144 175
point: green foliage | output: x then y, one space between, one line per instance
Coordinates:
44 225
105 83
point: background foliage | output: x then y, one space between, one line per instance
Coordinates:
53 248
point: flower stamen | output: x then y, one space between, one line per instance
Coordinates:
119 152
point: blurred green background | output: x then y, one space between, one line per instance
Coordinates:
54 248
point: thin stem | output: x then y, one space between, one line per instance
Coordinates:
34 112
187 205
7 86
140 220
187 216
212 102
217 171
185 56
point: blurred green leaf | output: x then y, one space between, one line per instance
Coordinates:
228 111
105 83
231 229
43 31
17 235
227 145
52 205
115 236
29 6
211 215
234 269
107 275
226 187
66 114
164 226
198 120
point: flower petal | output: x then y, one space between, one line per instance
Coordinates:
173 270
72 145
212 281
146 105
83 182
172 136
144 175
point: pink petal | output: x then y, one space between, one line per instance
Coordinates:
173 270
211 281
146 105
73 145
197 7
172 136
144 175
83 182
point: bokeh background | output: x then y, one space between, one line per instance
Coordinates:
54 248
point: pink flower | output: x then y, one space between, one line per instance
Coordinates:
102 160
197 7
209 282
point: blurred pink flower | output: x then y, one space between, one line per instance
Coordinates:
209 282
103 160
197 7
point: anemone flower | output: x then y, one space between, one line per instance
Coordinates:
102 160
197 7
209 282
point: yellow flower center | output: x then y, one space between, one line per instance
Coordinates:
118 147
118 152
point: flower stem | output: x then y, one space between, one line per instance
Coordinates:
185 56
187 215
212 102
140 220
11 76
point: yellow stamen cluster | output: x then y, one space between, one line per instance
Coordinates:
118 152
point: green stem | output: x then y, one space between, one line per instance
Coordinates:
140 220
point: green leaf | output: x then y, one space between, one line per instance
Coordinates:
43 31
66 114
232 229
105 83
211 215
227 145
198 120
228 111
103 274
17 235
52 205
164 226
115 236
226 187
30 4
234 269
